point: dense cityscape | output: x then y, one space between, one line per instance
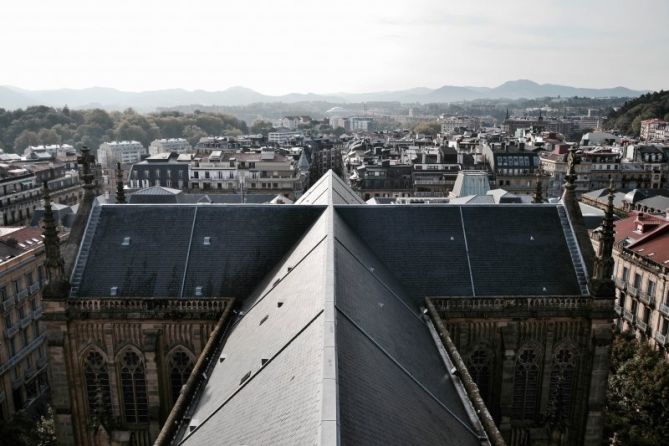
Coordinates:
294 223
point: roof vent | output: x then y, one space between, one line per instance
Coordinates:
193 425
126 241
206 241
113 291
531 237
279 304
198 291
222 357
245 377
263 361
262 321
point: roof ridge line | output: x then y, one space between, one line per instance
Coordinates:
190 243
280 279
383 284
469 262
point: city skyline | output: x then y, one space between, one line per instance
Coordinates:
301 47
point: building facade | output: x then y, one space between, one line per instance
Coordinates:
178 145
23 358
21 188
124 152
641 254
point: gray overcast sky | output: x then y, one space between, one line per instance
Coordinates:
284 46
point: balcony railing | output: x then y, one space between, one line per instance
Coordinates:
618 309
627 315
661 339
426 181
641 325
26 320
22 295
12 361
646 298
664 309
8 303
11 331
34 288
621 284
632 291
37 313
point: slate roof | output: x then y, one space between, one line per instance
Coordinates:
330 346
167 241
467 250
296 392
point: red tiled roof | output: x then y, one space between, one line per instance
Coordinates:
29 237
647 235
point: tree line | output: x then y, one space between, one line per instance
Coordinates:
637 409
46 125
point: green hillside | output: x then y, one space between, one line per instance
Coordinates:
628 118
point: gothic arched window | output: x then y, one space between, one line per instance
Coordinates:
180 365
96 376
563 374
133 385
526 382
480 368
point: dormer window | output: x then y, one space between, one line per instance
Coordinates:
206 241
198 291
113 291
126 241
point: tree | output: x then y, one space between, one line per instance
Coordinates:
25 139
48 136
193 134
638 394
263 127
430 128
19 431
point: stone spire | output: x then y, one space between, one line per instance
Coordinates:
87 161
53 263
604 262
538 190
570 176
87 176
573 209
120 193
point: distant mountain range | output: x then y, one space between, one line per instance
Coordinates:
109 98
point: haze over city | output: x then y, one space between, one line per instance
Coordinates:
299 223
347 46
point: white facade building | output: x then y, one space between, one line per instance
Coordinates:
178 145
283 137
125 152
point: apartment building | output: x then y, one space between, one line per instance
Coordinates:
124 152
264 171
653 129
23 356
178 145
452 124
284 136
21 188
641 255
167 169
